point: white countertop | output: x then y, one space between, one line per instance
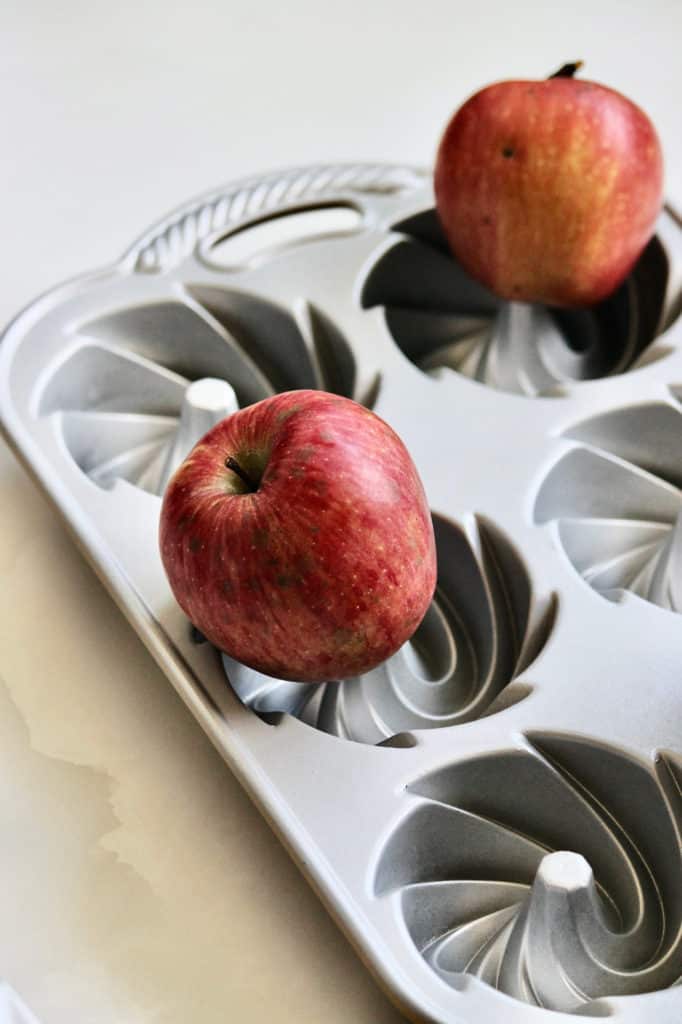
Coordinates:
139 884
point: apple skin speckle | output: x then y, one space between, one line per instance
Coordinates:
549 191
324 570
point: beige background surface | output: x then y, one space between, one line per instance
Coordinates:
138 883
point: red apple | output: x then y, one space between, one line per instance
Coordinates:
549 190
297 538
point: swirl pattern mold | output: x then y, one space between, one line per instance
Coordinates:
442 320
564 897
126 390
484 628
617 500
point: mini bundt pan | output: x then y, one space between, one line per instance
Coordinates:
494 815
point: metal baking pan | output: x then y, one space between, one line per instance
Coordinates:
494 815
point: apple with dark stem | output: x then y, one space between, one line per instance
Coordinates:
297 538
548 191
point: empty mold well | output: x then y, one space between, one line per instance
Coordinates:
552 873
617 499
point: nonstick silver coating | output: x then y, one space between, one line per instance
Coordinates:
494 815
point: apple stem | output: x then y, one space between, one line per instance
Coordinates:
232 464
568 70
